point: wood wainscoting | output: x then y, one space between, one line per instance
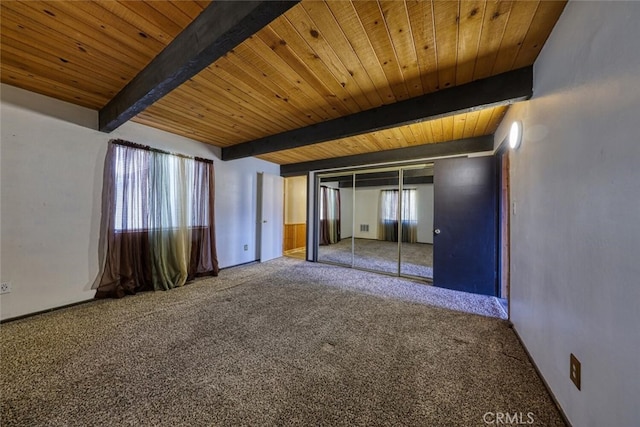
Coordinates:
295 236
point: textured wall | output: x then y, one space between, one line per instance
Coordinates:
576 229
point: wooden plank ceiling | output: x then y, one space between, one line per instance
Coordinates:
319 61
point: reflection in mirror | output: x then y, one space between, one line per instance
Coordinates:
376 221
335 220
417 223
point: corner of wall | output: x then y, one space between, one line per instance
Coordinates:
50 107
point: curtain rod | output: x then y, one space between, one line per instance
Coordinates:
157 150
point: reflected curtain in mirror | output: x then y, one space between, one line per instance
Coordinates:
388 216
158 220
329 215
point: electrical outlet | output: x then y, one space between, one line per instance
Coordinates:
246 247
5 287
574 370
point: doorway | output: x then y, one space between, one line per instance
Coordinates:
504 234
269 217
295 217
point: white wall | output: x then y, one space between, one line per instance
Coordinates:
295 200
575 272
236 208
366 211
51 182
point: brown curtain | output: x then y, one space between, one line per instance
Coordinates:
203 260
158 220
329 215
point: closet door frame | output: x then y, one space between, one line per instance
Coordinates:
318 176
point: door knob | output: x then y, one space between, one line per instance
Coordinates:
436 231
264 222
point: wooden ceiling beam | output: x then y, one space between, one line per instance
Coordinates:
218 29
502 89
416 152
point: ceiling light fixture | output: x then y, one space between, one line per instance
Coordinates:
515 135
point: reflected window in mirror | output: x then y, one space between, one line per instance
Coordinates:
389 210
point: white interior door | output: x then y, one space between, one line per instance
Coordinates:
271 221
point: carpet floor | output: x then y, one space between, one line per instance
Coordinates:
379 255
285 342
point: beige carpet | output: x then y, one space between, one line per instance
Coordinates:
280 343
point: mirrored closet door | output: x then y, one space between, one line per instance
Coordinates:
378 220
417 222
335 219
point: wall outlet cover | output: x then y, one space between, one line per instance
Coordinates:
574 370
5 287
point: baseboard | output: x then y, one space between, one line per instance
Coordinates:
48 310
255 261
546 385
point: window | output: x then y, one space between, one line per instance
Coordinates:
389 205
141 205
132 189
158 225
388 226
